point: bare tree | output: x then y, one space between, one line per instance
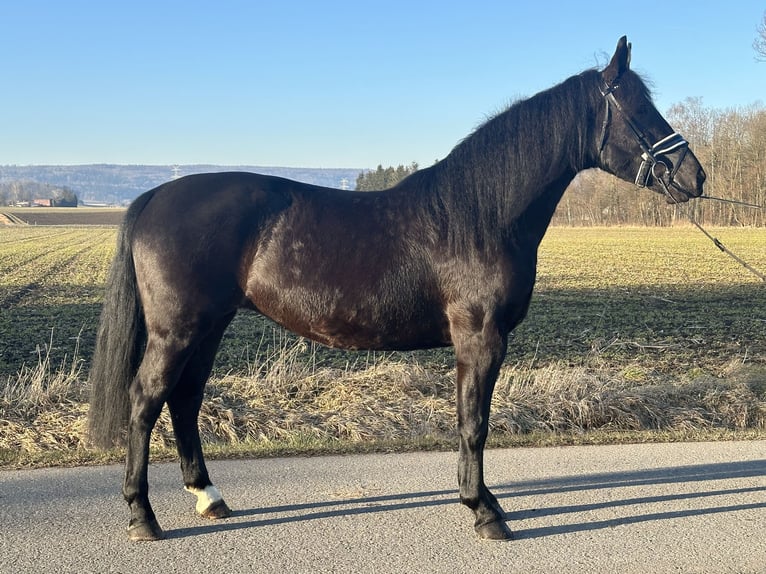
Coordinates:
759 44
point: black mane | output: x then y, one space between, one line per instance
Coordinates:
509 159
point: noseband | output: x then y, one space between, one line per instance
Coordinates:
651 152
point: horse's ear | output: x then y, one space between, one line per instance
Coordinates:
620 62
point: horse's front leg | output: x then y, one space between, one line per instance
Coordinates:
479 355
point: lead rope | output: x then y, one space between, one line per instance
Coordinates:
715 240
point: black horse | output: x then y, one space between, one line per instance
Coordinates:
447 257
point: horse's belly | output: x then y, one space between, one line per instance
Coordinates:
350 335
374 328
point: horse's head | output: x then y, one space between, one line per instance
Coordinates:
636 143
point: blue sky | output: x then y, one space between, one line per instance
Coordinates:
333 83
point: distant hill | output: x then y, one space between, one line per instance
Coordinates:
119 184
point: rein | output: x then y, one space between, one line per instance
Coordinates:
734 201
715 240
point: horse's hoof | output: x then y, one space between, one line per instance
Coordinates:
216 511
145 531
210 503
496 530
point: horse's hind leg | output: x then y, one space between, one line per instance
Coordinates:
184 404
163 361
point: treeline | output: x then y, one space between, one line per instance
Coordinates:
26 192
730 144
383 178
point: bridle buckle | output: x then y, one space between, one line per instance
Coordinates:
644 171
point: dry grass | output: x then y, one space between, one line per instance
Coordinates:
555 399
289 401
43 407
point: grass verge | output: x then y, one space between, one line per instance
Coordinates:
291 406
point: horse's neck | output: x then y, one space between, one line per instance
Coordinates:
503 182
535 219
542 174
526 196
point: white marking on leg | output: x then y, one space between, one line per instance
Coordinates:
206 497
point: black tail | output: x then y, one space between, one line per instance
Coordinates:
120 341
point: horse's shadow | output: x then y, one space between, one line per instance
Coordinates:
274 515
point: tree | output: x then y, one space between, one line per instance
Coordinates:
759 44
693 120
384 178
64 197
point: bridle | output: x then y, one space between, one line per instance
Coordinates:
651 152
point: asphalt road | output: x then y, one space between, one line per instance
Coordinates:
697 507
